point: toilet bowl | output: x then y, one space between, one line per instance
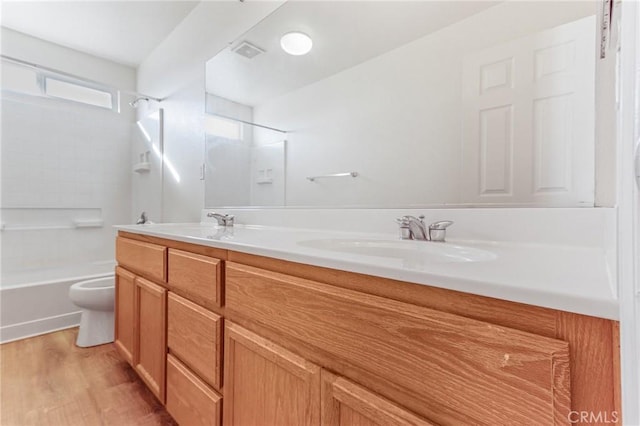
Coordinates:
96 298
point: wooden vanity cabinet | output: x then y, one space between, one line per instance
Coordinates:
305 345
165 327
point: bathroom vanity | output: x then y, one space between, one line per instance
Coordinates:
224 331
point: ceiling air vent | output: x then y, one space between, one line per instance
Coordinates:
247 50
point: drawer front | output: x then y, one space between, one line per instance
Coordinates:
442 366
189 400
146 259
194 335
197 277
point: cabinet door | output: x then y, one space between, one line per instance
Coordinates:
346 404
151 308
125 314
445 367
266 384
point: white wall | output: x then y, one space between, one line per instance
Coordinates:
175 71
62 162
38 51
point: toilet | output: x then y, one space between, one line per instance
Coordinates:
96 298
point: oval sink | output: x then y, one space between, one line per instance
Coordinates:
423 250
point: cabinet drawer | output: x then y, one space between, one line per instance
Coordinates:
189 400
197 277
444 367
144 258
194 335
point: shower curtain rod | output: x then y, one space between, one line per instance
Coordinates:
68 75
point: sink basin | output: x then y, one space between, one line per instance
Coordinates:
426 252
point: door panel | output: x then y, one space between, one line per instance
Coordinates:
266 384
125 314
151 305
529 119
346 404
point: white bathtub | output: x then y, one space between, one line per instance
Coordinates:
37 301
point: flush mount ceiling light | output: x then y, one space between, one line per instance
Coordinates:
296 43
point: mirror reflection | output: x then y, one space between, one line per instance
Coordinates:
406 104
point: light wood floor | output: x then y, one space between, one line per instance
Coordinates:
47 380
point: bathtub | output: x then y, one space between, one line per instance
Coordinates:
37 301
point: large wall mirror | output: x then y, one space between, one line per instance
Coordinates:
407 104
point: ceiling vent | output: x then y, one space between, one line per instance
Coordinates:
247 50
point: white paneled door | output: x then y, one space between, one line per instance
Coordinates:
528 123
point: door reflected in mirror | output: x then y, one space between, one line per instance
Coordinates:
430 104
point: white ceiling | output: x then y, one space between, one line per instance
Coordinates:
122 31
344 33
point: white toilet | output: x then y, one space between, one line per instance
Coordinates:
96 298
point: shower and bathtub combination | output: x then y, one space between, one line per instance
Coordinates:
66 180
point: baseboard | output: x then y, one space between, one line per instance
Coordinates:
22 330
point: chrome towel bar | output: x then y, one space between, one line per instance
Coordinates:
346 174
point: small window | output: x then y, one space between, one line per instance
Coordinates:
19 79
222 127
78 93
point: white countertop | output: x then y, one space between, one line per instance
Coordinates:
569 278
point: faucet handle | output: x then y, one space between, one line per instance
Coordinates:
143 219
222 219
406 233
228 219
441 225
408 218
402 221
438 230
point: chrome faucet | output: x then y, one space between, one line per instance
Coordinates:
143 219
223 219
414 228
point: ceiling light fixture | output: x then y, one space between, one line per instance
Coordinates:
296 43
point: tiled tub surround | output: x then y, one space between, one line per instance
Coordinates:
553 258
265 324
65 180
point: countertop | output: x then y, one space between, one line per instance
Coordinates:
569 278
